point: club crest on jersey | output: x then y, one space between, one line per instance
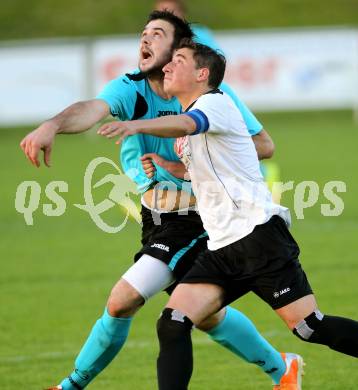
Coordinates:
182 150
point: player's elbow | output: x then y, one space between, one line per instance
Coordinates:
264 145
269 149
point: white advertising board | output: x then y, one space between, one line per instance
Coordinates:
270 70
39 81
281 70
293 69
113 57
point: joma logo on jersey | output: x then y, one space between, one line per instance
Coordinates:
165 113
281 292
161 246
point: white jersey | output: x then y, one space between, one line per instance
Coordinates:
232 197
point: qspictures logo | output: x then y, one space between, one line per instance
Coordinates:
28 194
122 189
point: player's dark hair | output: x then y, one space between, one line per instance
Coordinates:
182 28
206 57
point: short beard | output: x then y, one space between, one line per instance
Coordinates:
156 72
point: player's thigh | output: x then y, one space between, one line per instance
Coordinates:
177 241
144 279
296 311
277 275
148 276
197 301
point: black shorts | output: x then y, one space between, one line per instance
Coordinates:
177 240
264 262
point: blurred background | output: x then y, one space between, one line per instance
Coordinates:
282 55
295 63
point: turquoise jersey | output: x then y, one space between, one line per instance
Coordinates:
130 97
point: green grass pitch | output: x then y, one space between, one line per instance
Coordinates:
56 275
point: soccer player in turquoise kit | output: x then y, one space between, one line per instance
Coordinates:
168 249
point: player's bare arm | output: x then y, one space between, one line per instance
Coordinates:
171 126
176 168
263 144
76 118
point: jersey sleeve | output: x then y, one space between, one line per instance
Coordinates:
252 123
209 114
121 95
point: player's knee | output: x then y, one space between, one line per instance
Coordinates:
124 301
307 329
173 326
338 333
122 308
212 321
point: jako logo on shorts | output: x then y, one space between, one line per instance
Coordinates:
284 291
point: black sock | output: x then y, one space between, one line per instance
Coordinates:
175 361
338 333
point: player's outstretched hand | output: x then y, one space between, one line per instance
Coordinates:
41 138
113 129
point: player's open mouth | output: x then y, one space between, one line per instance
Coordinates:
146 55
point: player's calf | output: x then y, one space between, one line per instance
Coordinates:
175 361
338 333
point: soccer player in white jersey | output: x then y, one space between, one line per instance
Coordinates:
250 247
168 249
202 34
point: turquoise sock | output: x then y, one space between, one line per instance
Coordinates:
104 342
238 334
